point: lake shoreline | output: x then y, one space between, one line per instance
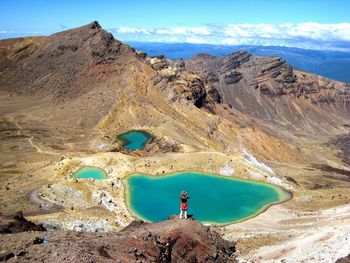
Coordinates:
126 142
90 172
283 194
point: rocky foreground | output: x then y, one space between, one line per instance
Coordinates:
173 240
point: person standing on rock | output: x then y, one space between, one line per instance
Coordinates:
184 206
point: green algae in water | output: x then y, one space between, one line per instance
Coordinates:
214 199
135 140
89 172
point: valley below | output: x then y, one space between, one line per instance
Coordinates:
64 99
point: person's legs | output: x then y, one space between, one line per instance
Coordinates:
185 212
181 214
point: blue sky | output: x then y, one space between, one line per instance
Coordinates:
321 24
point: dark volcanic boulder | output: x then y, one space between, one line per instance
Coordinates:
19 224
344 259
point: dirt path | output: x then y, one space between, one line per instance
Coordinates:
44 207
35 198
30 140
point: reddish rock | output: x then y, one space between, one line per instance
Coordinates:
173 240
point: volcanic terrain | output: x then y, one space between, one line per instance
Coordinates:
65 97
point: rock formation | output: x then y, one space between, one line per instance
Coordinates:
169 241
18 224
268 89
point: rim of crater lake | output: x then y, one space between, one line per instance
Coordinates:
282 193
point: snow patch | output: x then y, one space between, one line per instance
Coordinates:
255 175
272 177
277 181
249 158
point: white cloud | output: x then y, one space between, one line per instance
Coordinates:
200 31
132 30
183 31
307 35
21 32
196 40
315 31
164 31
8 32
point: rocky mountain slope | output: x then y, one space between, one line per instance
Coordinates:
74 69
269 90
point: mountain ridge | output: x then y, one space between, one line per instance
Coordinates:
329 64
261 82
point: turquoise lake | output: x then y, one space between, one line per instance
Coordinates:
213 199
89 172
135 140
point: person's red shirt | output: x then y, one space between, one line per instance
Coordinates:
184 205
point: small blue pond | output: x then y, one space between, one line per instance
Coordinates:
89 172
135 140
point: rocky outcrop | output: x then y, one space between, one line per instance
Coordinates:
181 85
155 145
179 241
344 259
234 61
18 224
242 65
169 241
232 77
343 144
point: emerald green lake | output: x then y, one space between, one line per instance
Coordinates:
89 172
135 140
213 199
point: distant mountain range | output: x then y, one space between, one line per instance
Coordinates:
331 64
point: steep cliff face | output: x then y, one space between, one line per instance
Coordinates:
268 89
178 84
